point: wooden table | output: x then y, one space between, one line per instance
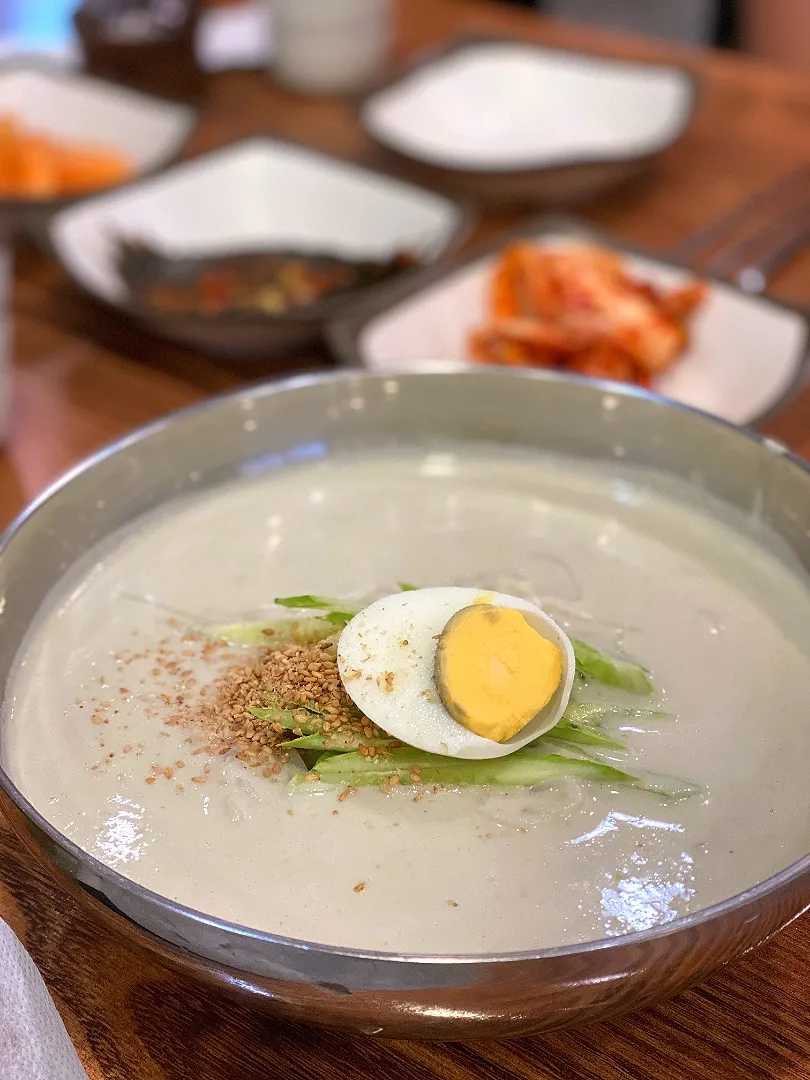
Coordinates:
84 377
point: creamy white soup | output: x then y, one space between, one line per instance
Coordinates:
721 623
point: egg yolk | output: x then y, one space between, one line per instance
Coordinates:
494 672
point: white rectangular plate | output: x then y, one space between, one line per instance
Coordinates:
502 105
744 356
75 107
255 194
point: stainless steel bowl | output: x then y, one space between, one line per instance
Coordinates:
442 997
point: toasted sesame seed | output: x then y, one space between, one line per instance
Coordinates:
302 679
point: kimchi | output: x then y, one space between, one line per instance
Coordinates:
578 308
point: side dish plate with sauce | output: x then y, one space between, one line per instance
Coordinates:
246 251
293 632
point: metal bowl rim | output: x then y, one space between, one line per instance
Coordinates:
755 893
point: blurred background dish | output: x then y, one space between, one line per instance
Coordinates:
258 196
744 355
104 133
580 307
508 120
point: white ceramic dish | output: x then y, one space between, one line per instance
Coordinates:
746 354
499 105
75 107
254 194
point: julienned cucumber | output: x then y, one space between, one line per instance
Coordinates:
343 741
319 603
583 735
290 719
276 634
521 769
621 674
342 763
335 614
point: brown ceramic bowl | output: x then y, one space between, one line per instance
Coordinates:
379 993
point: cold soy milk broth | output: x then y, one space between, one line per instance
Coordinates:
132 723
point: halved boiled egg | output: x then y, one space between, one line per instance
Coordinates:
456 671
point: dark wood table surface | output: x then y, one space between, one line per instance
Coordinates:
83 377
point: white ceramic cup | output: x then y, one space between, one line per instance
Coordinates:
330 46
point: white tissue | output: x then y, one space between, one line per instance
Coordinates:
34 1044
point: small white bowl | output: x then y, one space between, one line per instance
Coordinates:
72 107
260 193
496 117
745 358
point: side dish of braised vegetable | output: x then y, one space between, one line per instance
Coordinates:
260 282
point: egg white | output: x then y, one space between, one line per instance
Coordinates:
387 656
